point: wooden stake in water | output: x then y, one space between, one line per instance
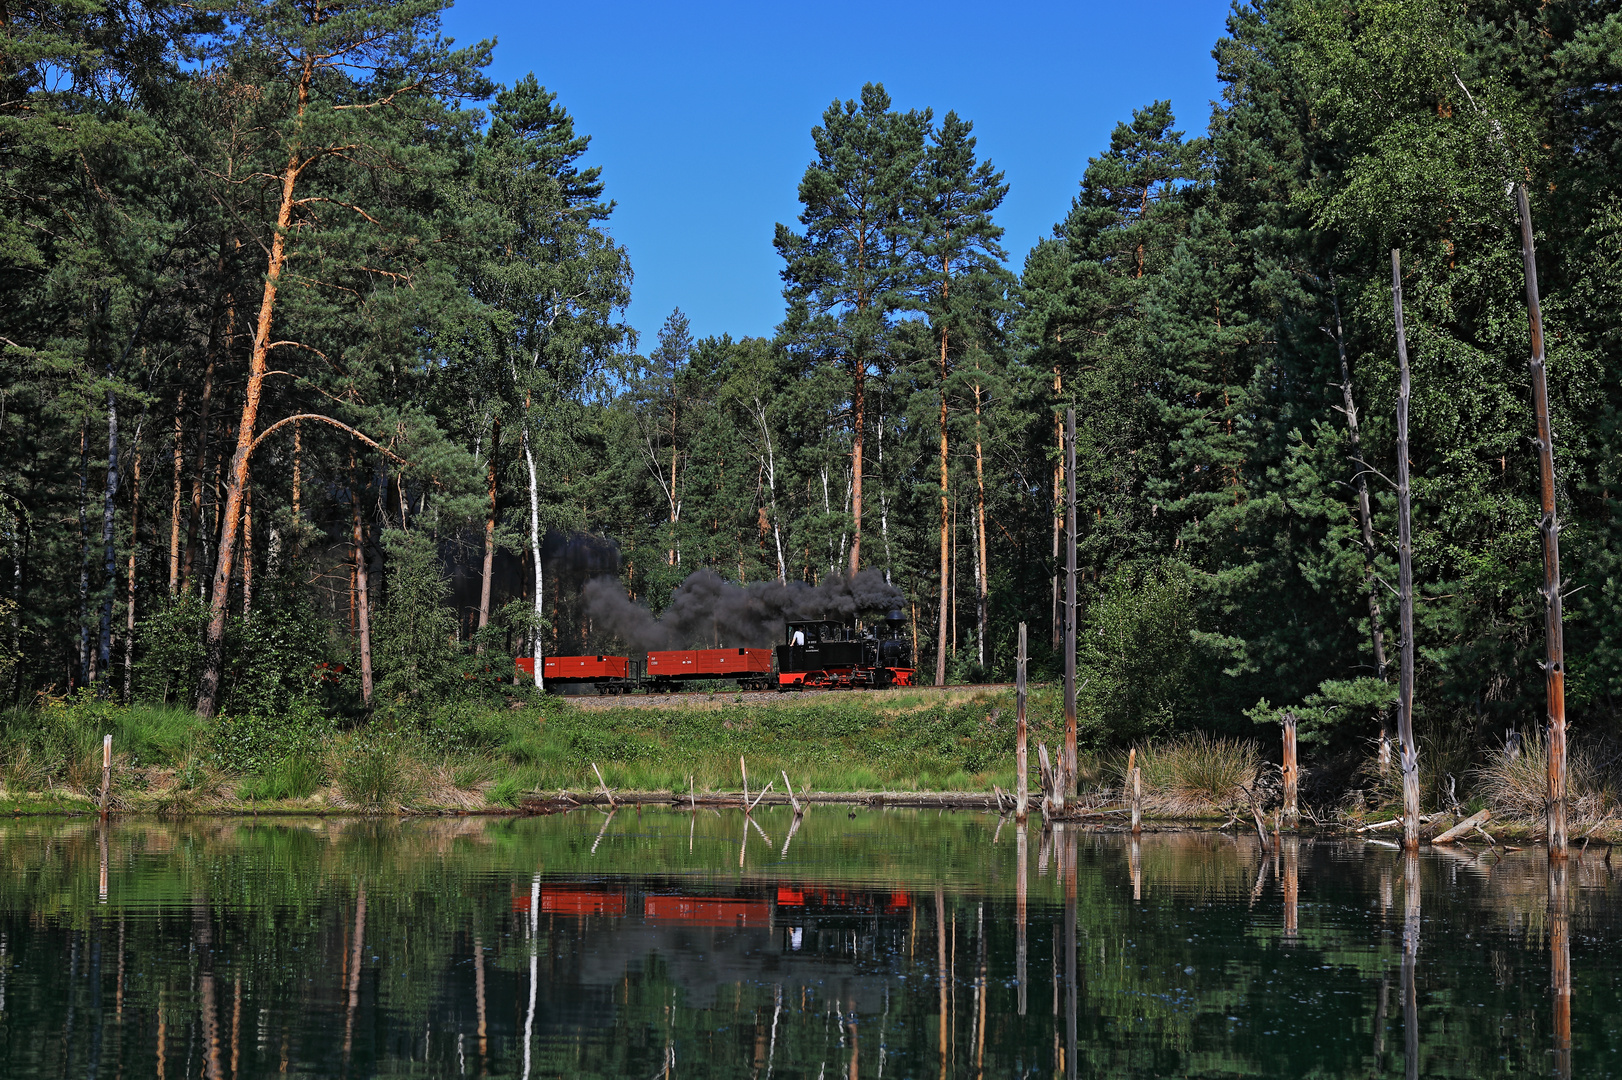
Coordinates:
1067 782
1022 758
1554 665
1291 813
1405 580
1134 790
106 772
604 784
745 770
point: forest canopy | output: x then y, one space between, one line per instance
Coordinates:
316 384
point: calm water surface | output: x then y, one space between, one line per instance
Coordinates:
888 943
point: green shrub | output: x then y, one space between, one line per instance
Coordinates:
256 743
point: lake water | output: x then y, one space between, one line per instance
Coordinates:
886 943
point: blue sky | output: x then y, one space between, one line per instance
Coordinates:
700 114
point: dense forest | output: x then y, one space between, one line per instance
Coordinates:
315 383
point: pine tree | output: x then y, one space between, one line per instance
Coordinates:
849 274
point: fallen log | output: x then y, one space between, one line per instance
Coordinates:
1463 828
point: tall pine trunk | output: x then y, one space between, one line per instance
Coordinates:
1405 581
1365 518
135 540
175 500
194 521
247 550
362 608
982 568
1554 667
490 476
237 481
859 415
109 543
86 671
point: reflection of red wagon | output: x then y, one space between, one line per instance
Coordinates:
704 911
563 901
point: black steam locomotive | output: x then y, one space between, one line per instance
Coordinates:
838 655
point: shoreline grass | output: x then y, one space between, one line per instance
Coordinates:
889 744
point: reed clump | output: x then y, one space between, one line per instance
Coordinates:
1517 785
1191 775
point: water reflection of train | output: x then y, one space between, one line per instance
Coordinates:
808 923
821 654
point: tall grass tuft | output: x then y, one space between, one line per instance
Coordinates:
1516 787
373 772
1194 774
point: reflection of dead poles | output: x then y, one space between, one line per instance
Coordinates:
601 831
980 995
1379 1017
1292 886
1134 858
354 972
1021 904
533 929
940 954
163 1036
1410 953
478 1006
855 1048
1560 967
1070 989
203 928
793 827
236 1027
102 831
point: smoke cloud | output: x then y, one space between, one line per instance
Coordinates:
708 610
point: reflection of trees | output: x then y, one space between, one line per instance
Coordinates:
254 943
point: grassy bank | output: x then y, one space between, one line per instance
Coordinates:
899 741
167 760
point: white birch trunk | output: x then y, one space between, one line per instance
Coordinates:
535 553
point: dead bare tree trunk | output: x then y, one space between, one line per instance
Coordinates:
1058 514
1365 518
1021 749
1405 580
1067 787
941 633
1554 666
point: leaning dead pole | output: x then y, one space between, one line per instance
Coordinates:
1554 666
1405 580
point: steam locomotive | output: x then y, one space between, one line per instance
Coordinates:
819 654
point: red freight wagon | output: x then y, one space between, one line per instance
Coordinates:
751 667
604 672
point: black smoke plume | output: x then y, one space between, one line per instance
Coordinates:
708 610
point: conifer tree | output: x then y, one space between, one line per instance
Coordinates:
849 274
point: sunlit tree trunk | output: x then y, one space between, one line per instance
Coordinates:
237 480
175 500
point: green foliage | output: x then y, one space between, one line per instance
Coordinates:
259 743
415 652
373 771
171 650
1136 653
1339 708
